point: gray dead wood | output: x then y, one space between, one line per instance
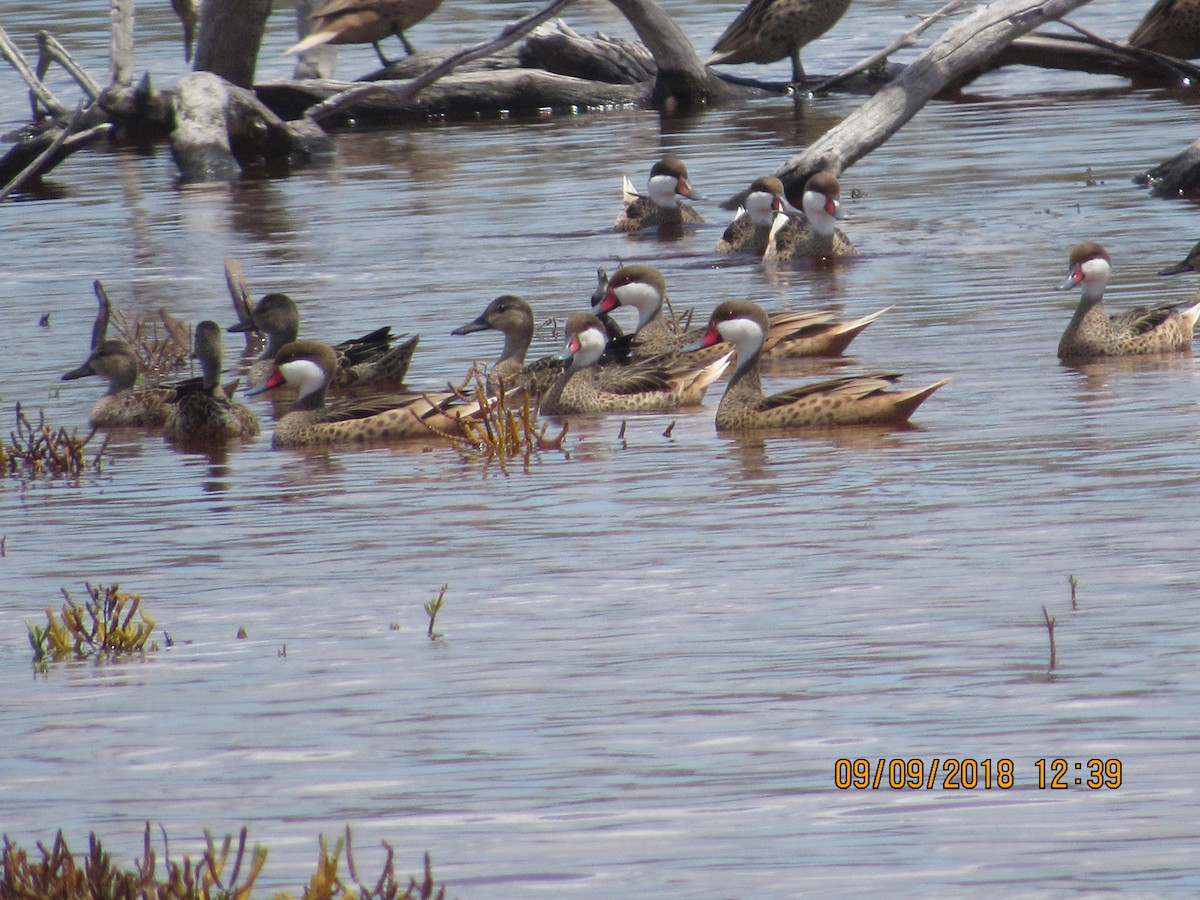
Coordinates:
30 160
965 48
220 128
230 35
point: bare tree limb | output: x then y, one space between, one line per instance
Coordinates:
511 33
40 92
65 142
965 47
50 49
905 40
122 42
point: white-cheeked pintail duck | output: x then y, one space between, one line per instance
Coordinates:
816 235
854 400
309 365
1093 334
662 205
646 385
370 361
792 334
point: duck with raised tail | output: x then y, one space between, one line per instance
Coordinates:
368 361
309 366
816 235
1093 334
203 412
791 334
662 205
647 385
855 400
770 30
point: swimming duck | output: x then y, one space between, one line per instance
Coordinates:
791 334
751 227
201 412
769 30
816 235
123 405
1092 333
662 206
1191 263
365 21
855 400
367 361
653 384
309 365
513 317
1171 27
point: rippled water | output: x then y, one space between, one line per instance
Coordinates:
654 647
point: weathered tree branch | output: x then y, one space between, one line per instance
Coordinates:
38 91
34 158
964 48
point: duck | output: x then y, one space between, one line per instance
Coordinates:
369 361
202 412
1093 334
659 383
124 405
852 400
513 317
661 207
312 422
791 334
816 235
364 22
770 30
751 226
1171 27
1191 263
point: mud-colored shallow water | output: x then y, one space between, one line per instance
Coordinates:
654 648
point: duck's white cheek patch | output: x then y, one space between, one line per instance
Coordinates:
1096 268
639 295
662 189
742 333
303 373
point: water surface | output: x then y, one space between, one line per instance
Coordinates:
654 648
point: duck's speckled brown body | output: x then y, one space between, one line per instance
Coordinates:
647 385
662 206
855 400
814 235
202 412
1171 27
1093 334
365 22
123 405
770 30
370 361
791 334
364 420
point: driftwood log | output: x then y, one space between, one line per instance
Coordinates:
217 127
966 48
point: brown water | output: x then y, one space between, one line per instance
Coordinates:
654 648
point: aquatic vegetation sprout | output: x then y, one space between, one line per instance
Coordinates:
103 627
33 450
503 431
432 608
221 873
